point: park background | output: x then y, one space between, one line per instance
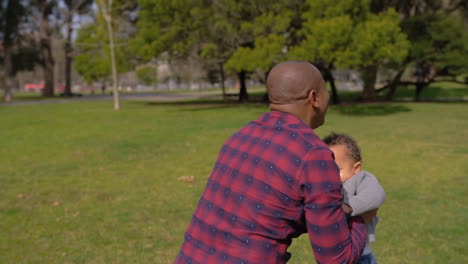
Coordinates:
114 112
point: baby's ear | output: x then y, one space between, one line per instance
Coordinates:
357 167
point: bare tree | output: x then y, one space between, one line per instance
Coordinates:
9 27
72 8
106 11
44 41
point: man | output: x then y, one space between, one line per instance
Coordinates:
273 180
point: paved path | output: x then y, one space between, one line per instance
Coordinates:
154 97
171 97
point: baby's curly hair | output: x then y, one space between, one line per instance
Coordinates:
342 139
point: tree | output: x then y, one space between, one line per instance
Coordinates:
72 8
166 26
223 31
94 59
183 29
449 44
171 30
41 20
445 51
438 39
378 42
42 11
147 74
267 29
106 11
218 41
326 43
227 19
11 15
348 34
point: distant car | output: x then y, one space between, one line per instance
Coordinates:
60 88
32 87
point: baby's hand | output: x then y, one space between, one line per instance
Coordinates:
367 216
347 209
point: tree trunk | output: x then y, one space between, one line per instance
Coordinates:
419 88
7 56
114 66
8 73
48 69
243 96
106 12
369 76
329 77
46 53
393 85
68 55
221 71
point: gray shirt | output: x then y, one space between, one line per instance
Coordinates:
363 193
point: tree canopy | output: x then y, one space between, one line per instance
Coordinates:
348 34
244 36
93 60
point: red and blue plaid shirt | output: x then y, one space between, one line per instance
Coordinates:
273 180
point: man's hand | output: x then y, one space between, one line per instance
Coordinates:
367 216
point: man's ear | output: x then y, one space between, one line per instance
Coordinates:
313 98
357 167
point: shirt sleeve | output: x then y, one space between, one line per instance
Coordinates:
369 195
333 238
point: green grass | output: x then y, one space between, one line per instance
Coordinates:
435 91
82 183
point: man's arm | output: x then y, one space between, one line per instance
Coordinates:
333 239
369 194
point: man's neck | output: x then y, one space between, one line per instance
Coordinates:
292 109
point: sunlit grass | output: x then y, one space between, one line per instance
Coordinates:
82 183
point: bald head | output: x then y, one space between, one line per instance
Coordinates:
291 81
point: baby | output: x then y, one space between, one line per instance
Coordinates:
361 190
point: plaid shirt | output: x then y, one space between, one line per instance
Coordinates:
273 180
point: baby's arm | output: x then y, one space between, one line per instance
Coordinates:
369 195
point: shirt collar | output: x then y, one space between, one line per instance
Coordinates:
277 118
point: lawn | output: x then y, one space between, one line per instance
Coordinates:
82 183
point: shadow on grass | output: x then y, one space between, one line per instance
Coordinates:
371 109
205 105
436 92
358 109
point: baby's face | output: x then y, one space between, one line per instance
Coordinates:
346 164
